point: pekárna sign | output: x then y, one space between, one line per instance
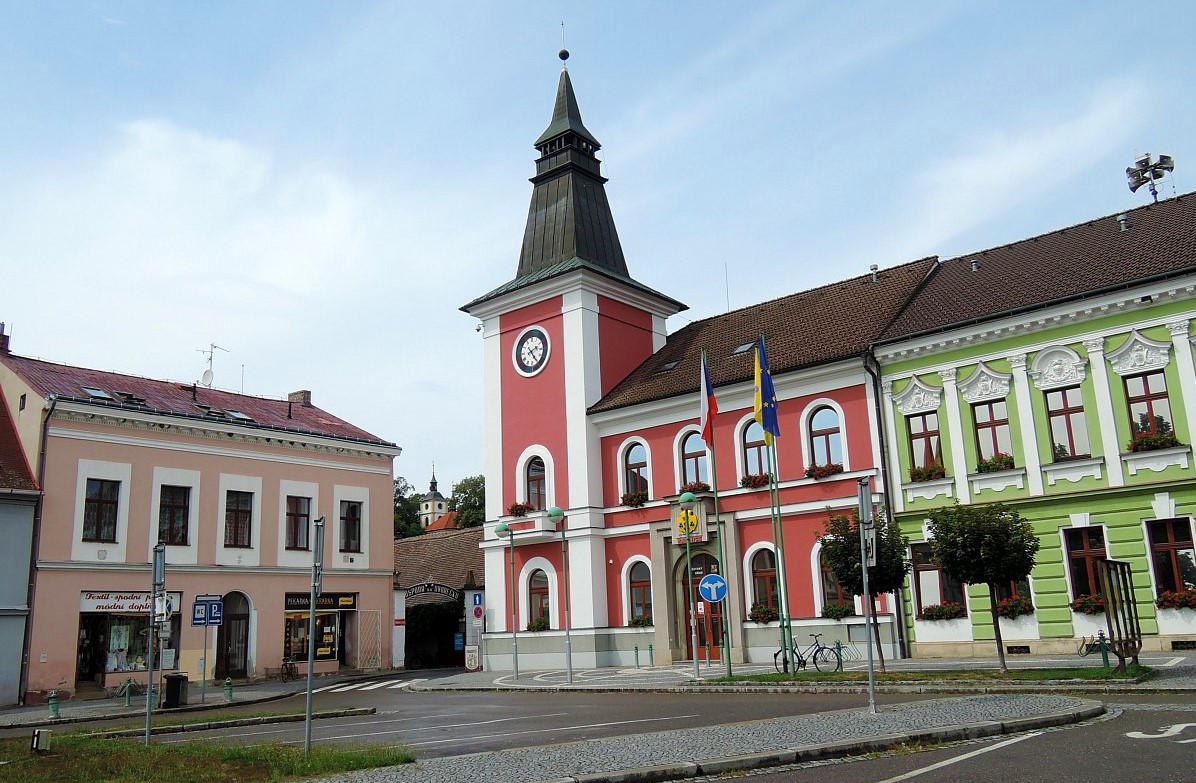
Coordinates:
300 602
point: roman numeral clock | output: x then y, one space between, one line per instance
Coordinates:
531 351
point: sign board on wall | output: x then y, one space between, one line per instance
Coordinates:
134 602
299 602
473 658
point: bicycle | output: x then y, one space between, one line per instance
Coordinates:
825 659
128 688
289 670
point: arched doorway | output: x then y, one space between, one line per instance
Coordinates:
709 613
232 640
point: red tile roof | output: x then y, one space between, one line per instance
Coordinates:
15 472
1070 263
822 325
444 522
443 556
177 399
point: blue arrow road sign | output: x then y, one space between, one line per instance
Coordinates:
713 587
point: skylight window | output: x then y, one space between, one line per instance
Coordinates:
666 367
96 394
232 414
744 348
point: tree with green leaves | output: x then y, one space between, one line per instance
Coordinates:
407 500
989 544
469 501
841 553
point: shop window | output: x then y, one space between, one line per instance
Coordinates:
992 428
924 442
693 459
537 593
635 469
1069 429
537 495
99 511
755 456
640 590
826 439
298 521
114 634
933 585
1085 545
1150 410
350 526
295 638
174 512
1172 554
238 518
764 579
833 593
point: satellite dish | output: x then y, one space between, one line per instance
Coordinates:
206 379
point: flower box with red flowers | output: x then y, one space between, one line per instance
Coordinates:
695 486
754 481
1177 599
1014 607
944 611
931 472
634 499
519 509
1089 604
1152 441
822 471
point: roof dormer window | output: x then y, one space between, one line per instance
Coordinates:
96 394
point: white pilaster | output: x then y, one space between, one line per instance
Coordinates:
498 614
492 426
958 457
896 496
583 387
1187 371
1021 392
1106 419
587 578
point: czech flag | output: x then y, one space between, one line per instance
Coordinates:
709 405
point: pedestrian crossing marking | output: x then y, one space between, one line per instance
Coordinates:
379 684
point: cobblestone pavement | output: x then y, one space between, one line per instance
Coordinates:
598 758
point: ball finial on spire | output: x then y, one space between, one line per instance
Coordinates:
563 54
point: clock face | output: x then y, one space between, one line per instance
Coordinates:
531 351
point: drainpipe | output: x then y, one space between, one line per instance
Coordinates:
873 369
35 543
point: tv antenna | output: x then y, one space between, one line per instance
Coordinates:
1144 172
208 375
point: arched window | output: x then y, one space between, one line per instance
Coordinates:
537 596
764 578
537 497
826 441
693 459
635 469
755 458
832 592
640 589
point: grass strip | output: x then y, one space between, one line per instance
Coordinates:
1091 673
76 758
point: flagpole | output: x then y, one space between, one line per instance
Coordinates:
782 568
721 533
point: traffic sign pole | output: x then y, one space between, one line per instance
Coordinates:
866 523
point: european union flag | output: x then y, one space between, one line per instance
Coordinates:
766 396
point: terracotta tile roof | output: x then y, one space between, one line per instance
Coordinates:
443 556
15 472
826 324
172 398
1073 262
444 522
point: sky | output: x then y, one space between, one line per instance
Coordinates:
317 187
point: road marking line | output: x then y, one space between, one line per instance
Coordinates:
542 731
344 688
327 687
405 683
292 727
449 726
1173 662
964 757
382 684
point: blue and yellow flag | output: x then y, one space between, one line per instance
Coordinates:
766 396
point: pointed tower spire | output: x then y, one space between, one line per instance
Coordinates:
432 484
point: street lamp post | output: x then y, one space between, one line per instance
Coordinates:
687 501
558 517
501 530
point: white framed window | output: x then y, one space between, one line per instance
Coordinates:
101 529
183 554
239 523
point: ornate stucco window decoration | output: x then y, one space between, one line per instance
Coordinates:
998 472
929 481
1054 368
1159 451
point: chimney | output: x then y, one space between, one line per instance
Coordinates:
873 268
3 339
301 397
1123 220
975 265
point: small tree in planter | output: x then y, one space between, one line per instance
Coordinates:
763 613
841 551
989 544
634 499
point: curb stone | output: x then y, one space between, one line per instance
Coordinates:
259 720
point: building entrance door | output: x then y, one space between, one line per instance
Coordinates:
232 640
709 613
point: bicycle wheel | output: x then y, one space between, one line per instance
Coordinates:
825 660
778 661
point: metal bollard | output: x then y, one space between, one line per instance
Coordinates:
637 656
708 653
228 689
151 695
128 693
52 703
838 655
1104 648
651 656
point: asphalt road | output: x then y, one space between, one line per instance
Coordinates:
1151 739
451 723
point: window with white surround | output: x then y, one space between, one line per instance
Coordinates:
1085 546
538 597
639 589
1149 407
102 511
932 585
352 536
764 579
992 428
635 469
825 437
350 527
1069 427
238 519
534 482
925 445
1172 554
754 450
693 459
298 523
238 541
173 510
174 514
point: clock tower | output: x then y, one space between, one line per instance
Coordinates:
569 326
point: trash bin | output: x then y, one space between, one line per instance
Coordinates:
176 690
